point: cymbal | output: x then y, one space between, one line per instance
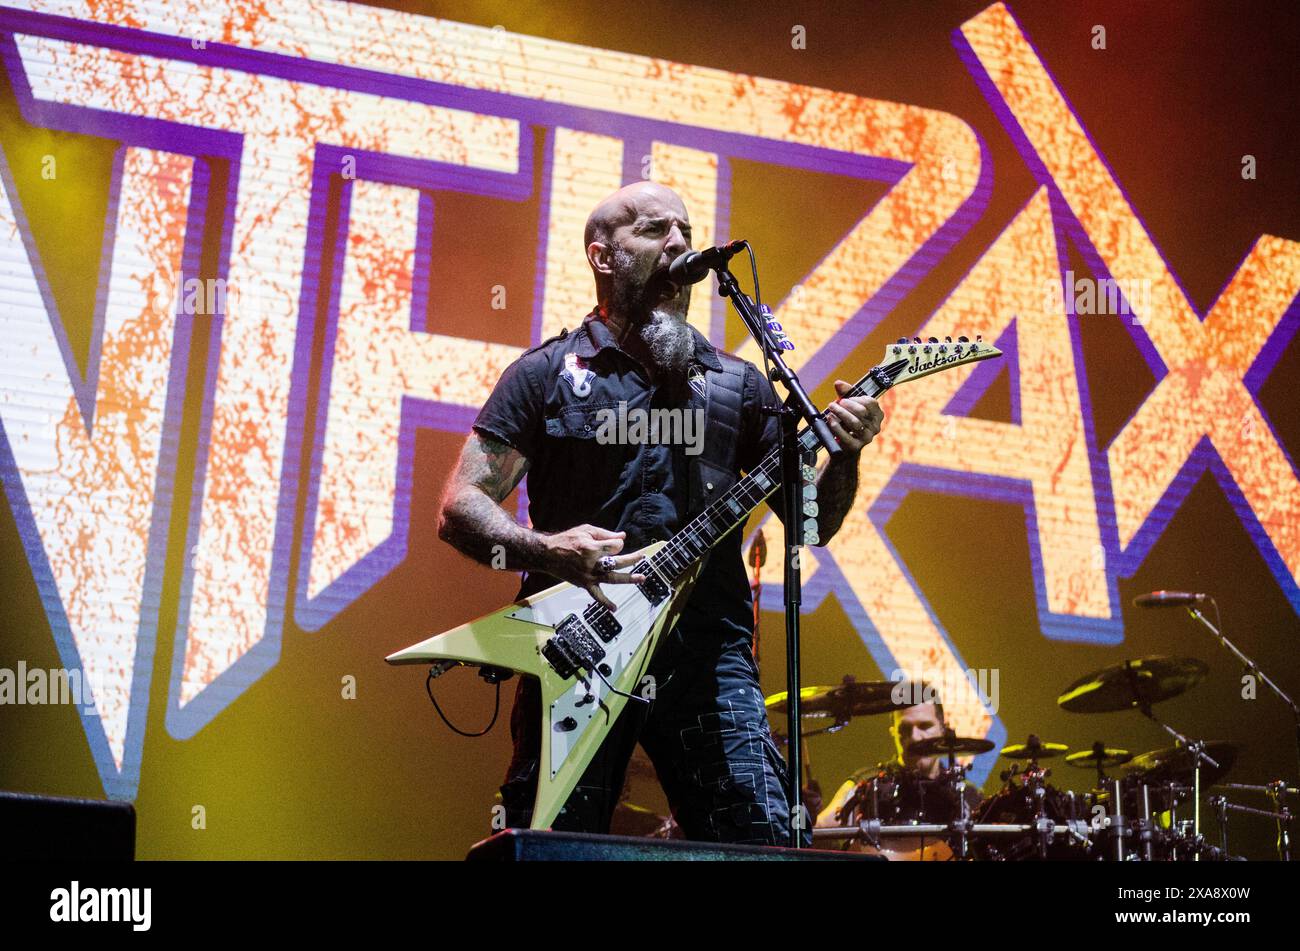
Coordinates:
943 745
1099 756
845 701
1174 764
1033 749
1132 683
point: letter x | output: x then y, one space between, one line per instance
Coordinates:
1203 396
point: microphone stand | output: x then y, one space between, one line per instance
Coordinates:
797 407
1250 665
757 558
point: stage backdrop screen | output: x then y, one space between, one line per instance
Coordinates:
261 263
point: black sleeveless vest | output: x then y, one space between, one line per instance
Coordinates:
713 471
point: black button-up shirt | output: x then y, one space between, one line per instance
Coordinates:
548 405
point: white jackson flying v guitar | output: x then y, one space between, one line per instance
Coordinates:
591 660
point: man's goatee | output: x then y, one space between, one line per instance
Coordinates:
669 340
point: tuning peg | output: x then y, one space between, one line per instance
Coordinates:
916 340
963 340
979 338
934 340
902 340
947 339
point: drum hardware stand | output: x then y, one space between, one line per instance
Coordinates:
873 831
1277 791
1250 665
1196 748
1175 830
962 826
1035 778
1146 830
1118 830
1220 805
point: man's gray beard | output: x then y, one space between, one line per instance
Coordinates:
667 337
669 340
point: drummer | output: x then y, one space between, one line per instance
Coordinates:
907 726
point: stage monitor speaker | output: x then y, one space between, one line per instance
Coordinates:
55 829
527 845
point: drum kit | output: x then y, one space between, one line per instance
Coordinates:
1143 807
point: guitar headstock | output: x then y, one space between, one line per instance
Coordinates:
912 359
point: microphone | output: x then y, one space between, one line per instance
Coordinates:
694 266
1169 599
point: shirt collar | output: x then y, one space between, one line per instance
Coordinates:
598 337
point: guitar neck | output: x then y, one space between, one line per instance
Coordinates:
722 515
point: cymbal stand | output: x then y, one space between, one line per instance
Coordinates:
1277 792
961 828
1220 805
1118 830
1195 747
1146 830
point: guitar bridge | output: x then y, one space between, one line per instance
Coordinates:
571 648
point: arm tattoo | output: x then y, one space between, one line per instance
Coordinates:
473 521
493 466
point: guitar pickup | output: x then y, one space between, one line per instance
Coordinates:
571 648
602 621
653 587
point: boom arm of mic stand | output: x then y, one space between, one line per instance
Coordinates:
1250 665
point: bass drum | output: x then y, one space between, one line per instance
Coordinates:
898 797
1017 805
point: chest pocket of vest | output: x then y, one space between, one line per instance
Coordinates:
709 481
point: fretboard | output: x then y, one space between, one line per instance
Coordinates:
730 509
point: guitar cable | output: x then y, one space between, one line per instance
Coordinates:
496 706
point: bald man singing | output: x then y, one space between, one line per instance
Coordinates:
594 501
